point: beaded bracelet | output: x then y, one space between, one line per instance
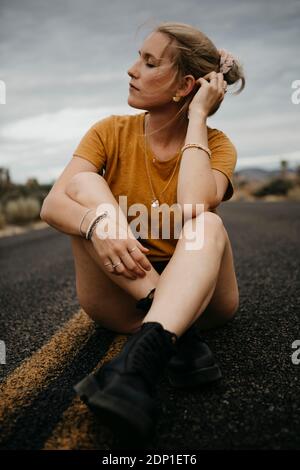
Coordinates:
199 146
81 232
93 224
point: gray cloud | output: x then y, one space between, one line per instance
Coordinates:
71 54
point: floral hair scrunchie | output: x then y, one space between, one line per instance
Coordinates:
226 60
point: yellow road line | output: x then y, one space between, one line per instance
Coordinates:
45 365
78 429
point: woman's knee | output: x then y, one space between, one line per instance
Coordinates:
208 226
208 219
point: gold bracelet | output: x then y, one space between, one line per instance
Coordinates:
199 146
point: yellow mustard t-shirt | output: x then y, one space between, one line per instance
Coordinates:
115 145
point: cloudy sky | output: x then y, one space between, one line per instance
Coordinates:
64 65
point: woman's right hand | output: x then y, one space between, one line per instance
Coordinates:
125 249
210 94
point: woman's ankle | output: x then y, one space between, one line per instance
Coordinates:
146 302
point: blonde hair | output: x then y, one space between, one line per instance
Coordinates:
195 54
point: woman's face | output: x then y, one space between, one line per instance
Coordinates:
151 75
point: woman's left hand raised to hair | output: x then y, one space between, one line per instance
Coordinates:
211 92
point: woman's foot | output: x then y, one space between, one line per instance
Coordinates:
122 392
194 364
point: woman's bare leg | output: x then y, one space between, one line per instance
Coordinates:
90 190
224 302
192 292
101 298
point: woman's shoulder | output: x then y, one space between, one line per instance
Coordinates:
116 121
216 136
214 132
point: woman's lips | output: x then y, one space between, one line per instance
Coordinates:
132 87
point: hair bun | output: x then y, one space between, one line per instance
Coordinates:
226 60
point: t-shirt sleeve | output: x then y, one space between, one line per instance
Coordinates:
93 146
223 158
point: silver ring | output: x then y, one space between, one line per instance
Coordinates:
130 251
115 265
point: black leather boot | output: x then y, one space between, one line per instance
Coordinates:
194 363
122 392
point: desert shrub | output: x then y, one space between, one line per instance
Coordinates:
278 186
25 193
12 193
22 210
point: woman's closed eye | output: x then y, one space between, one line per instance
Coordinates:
147 57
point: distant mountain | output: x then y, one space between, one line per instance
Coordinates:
258 174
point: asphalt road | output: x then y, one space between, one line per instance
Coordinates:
51 345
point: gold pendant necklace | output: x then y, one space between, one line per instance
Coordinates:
155 202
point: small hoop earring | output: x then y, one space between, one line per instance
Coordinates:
176 98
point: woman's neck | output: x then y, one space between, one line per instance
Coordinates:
168 132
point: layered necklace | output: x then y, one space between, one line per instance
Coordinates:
155 201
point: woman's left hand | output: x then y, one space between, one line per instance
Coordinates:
210 94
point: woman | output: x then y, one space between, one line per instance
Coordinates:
160 157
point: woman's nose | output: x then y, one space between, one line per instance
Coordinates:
133 71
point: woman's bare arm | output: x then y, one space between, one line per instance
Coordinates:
65 214
194 168
195 164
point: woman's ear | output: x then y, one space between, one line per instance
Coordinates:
188 85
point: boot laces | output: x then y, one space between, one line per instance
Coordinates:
145 357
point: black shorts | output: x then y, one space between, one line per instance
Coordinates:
159 265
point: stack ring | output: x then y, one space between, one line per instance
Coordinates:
115 265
